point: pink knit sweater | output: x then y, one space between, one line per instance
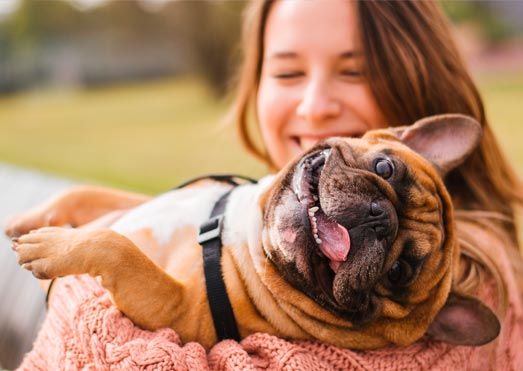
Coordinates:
84 331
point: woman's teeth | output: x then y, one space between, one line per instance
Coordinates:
306 144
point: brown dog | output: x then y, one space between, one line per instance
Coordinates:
351 244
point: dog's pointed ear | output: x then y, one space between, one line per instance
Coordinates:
445 140
464 320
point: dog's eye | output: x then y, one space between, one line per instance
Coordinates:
384 168
400 273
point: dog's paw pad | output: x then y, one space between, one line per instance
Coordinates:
39 269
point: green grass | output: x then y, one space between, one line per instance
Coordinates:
149 137
145 137
503 96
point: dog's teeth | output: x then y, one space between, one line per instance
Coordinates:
314 226
312 211
315 198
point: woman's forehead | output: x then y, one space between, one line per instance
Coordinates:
298 27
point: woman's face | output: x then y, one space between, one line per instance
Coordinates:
311 84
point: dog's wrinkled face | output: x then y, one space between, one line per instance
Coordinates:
364 227
353 223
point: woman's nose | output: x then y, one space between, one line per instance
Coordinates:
318 104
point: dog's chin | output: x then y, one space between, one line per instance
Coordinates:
319 261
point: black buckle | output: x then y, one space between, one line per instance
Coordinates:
210 229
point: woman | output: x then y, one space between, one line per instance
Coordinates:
315 69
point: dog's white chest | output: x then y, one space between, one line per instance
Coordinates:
173 210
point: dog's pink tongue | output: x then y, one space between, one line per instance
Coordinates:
335 240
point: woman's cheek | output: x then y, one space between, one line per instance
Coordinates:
276 107
271 107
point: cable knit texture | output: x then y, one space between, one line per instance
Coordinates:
85 331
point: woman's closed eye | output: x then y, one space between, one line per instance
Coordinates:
288 75
351 73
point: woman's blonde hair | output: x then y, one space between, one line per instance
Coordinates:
414 70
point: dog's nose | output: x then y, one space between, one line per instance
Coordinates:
376 208
384 219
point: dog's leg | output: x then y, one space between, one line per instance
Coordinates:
131 277
75 207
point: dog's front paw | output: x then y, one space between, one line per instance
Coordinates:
52 251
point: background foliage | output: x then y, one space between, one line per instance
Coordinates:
132 94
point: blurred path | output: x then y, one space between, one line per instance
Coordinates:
22 301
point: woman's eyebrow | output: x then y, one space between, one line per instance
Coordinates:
350 54
282 55
291 55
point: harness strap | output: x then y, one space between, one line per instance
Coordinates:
226 178
210 238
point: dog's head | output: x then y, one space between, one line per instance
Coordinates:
364 227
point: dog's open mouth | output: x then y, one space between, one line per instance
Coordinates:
333 239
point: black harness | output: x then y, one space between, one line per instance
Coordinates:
210 239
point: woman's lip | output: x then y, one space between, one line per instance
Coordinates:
306 141
321 136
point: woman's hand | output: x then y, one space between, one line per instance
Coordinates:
54 212
74 207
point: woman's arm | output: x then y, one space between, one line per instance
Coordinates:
75 207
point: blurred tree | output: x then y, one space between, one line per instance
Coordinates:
201 36
126 21
6 47
211 31
492 26
37 21
19 27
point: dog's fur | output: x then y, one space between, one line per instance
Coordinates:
382 274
